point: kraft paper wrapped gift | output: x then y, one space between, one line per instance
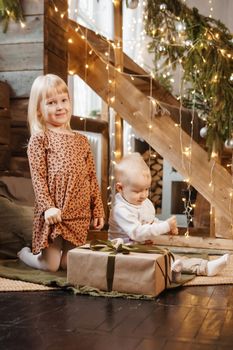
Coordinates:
134 273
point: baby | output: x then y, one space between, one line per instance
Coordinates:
132 217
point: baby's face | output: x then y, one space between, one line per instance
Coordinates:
137 191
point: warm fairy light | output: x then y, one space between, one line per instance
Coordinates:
187 151
70 41
131 77
71 72
62 15
86 65
150 126
55 8
23 25
214 154
112 99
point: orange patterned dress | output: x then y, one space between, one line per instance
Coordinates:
63 176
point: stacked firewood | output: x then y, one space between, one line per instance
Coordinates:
155 163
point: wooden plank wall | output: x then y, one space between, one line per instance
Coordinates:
25 53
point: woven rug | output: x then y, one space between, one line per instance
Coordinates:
225 277
8 285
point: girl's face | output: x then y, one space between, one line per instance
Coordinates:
56 110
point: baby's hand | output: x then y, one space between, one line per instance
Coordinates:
52 216
173 225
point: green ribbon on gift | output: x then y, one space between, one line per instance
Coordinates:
109 247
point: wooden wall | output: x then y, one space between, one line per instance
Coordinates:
25 53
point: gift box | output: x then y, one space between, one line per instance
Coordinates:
134 273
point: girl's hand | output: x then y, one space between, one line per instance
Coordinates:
52 216
98 223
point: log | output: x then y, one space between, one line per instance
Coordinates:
5 155
5 126
4 95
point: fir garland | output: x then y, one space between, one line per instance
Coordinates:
10 9
203 47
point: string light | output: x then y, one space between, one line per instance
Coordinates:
23 25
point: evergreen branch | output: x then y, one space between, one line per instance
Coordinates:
10 9
204 48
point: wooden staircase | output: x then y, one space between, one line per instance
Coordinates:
131 99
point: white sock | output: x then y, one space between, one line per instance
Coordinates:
176 270
177 266
26 256
215 266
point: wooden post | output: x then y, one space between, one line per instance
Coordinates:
119 66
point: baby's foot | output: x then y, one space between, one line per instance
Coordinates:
215 266
176 270
177 266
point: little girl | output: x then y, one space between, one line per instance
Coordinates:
63 176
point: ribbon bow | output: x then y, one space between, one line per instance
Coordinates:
109 246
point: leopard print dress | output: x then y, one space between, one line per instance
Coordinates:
63 176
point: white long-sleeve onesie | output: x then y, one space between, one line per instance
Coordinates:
135 222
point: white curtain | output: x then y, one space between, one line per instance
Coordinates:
98 16
91 14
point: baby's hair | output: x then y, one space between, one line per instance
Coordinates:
43 87
130 167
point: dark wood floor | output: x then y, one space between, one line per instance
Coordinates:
187 318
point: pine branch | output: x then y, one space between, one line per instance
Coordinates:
203 47
10 9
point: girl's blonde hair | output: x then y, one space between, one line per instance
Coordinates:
130 168
43 87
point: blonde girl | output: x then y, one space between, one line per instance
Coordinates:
63 175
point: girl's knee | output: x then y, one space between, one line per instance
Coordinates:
53 268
